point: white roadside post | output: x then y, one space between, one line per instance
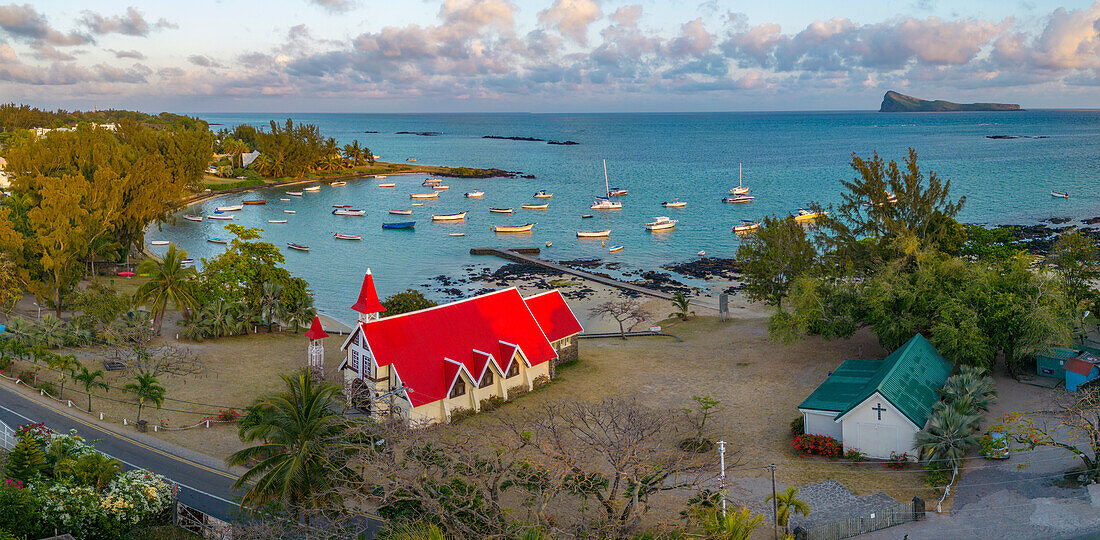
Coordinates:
722 474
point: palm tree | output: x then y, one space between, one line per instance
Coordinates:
974 383
271 303
292 466
736 525
948 436
353 152
788 503
256 422
682 306
93 470
301 311
65 364
169 280
146 387
52 331
415 531
90 380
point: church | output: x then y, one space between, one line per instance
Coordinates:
425 365
878 406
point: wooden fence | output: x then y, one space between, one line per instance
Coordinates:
204 525
863 524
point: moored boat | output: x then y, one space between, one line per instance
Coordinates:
298 247
255 202
290 211
294 193
276 221
543 206
674 203
230 208
1059 194
740 189
338 183
613 249
660 223
449 217
389 185
312 188
223 217
586 216
348 212
594 234
216 240
410 159
402 212
339 236
512 228
441 187
341 206
617 192
603 203
747 225
738 199
380 176
475 194
432 182
416 204
543 194
808 215
433 195
457 234
159 242
282 199
190 217
399 225
500 210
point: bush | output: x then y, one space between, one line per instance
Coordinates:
898 461
26 377
798 426
48 387
460 414
855 456
937 477
540 381
517 392
492 403
20 511
821 445
698 446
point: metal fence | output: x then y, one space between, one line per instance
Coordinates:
204 525
857 525
7 437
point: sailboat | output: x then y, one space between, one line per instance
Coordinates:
605 203
740 189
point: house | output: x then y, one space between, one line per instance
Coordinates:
879 406
5 181
1081 369
1052 362
425 365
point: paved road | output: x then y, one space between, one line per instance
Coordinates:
203 486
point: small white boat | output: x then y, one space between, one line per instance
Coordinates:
738 199
341 206
159 242
190 217
603 203
500 210
339 236
613 249
294 193
348 212
1059 194
660 223
298 247
594 234
475 194
543 194
223 217
402 212
441 187
235 208
432 182
449 217
674 203
543 206
410 159
702 254
746 226
807 215
216 240
433 195
617 192
290 211
379 176
281 199
416 204
387 185
457 234
549 243
312 188
512 228
338 183
276 221
740 189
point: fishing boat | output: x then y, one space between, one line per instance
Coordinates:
290 211
348 212
341 206
216 240
542 206
276 221
613 249
432 181
282 199
312 188
441 187
449 217
740 189
387 185
747 225
702 253
294 193
189 217
616 192
298 247
500 210
808 215
543 194
457 234
410 159
1059 194
605 203
399 225
674 203
402 212
339 236
338 183
223 217
187 262
594 234
380 176
475 194
660 223
586 216
255 202
512 228
738 199
432 195
416 204
159 242
230 208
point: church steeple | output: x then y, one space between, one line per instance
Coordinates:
316 351
368 305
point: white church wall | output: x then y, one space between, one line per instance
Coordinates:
876 428
822 423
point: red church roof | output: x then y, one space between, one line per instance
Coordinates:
427 346
553 314
315 331
368 299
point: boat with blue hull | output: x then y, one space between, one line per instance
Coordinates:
399 225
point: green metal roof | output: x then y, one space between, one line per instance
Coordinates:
909 379
1058 353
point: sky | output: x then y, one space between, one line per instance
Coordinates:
544 56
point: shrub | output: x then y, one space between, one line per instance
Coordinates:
26 460
898 461
699 446
48 387
26 377
225 415
798 426
460 414
540 381
492 403
821 445
937 477
517 391
855 456
20 511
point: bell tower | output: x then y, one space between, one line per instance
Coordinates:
316 352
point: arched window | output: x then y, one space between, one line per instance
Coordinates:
486 379
513 369
459 388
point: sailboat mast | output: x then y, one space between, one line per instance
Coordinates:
606 186
738 174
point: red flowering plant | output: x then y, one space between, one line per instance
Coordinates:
821 445
898 461
224 415
11 483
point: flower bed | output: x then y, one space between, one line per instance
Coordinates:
820 445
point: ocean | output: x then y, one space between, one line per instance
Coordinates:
788 160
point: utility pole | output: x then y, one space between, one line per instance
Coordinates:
775 506
722 474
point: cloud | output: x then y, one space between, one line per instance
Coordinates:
203 61
133 23
335 6
571 18
24 22
136 55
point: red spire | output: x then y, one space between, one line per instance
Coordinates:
315 331
368 299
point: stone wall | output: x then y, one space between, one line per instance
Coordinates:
567 353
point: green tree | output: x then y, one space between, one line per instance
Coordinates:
26 460
735 525
406 301
300 311
92 469
682 307
271 304
292 466
146 388
1078 261
169 281
788 503
774 257
90 380
948 437
65 365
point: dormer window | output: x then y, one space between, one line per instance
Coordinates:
459 389
486 379
513 369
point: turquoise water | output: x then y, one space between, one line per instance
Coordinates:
789 160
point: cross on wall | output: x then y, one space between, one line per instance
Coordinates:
880 409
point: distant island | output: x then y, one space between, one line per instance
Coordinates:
895 102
